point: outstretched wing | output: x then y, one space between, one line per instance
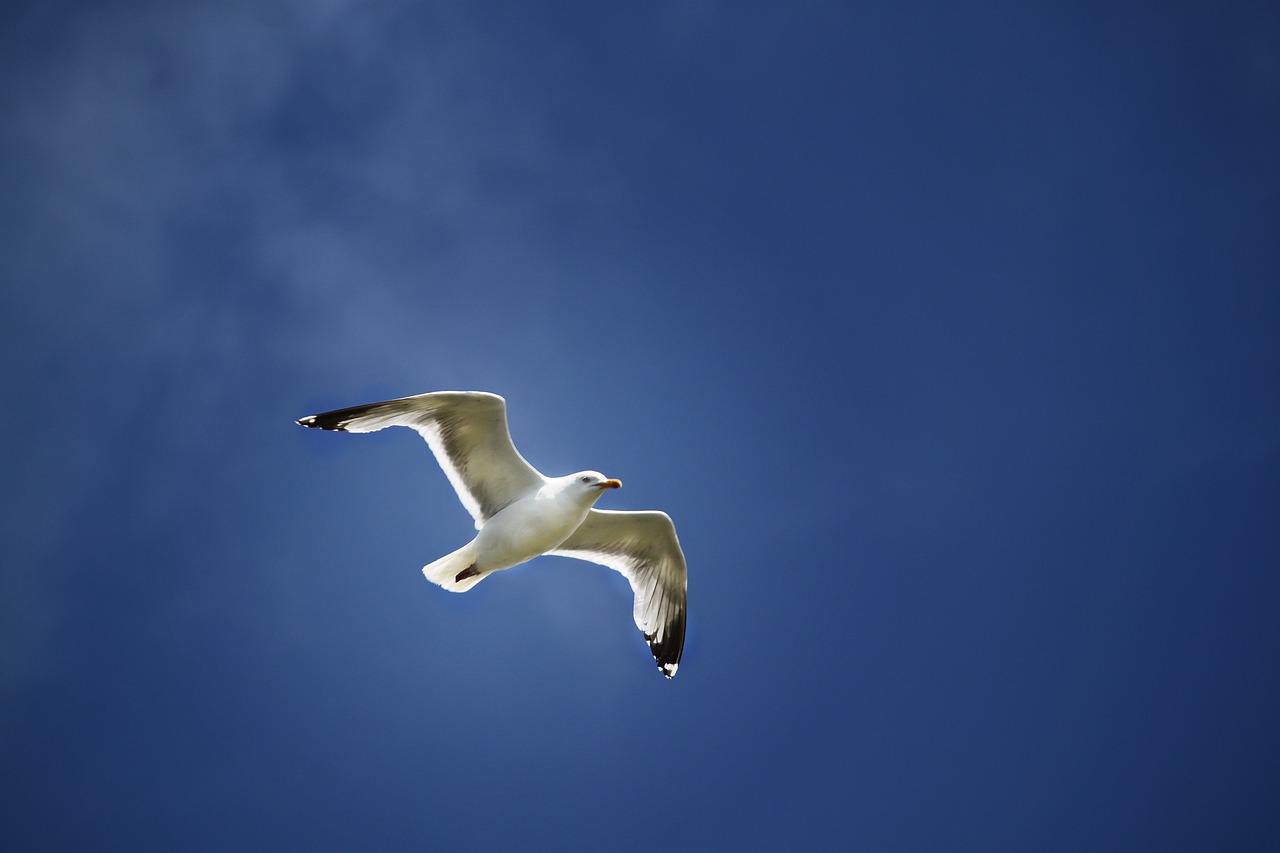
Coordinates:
643 547
467 432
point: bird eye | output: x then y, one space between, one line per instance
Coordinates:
586 479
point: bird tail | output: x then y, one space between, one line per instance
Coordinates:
455 572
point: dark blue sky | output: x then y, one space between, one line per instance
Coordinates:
949 337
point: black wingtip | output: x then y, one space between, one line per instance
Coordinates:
338 419
329 420
668 650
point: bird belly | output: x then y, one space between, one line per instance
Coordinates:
524 530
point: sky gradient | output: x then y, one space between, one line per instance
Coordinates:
949 337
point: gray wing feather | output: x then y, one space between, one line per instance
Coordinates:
643 547
467 432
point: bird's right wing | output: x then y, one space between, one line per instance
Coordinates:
467 432
643 547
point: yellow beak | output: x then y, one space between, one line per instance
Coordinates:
611 484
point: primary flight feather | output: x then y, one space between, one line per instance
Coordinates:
521 514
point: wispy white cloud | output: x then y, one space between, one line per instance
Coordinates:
212 192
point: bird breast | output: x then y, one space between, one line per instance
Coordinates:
531 526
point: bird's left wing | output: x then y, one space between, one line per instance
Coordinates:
467 432
643 547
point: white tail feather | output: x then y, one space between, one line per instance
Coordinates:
444 570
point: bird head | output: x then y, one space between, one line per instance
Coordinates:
592 484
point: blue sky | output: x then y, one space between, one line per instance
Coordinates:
947 336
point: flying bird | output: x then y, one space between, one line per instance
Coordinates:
521 514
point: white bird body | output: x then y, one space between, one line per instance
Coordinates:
534 524
520 514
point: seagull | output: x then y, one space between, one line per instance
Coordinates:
521 514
